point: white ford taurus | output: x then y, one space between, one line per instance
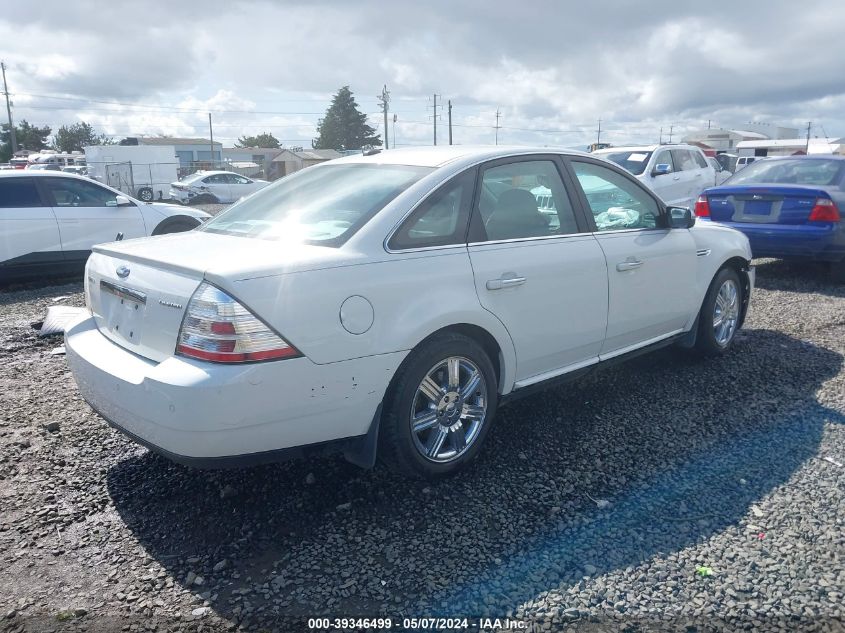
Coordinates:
385 305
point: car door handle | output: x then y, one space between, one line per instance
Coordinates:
629 265
508 280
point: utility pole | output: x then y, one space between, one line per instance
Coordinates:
394 130
384 99
434 118
211 135
660 142
12 135
498 114
598 136
807 146
671 127
450 121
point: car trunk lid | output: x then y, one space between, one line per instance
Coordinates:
138 290
763 204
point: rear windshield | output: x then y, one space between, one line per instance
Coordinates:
634 162
792 171
322 205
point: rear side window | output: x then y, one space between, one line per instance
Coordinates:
18 192
441 219
699 158
524 199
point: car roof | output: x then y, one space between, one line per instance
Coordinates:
645 148
801 156
439 155
40 173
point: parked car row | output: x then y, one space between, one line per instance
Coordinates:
385 304
677 173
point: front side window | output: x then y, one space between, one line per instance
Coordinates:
524 199
699 159
18 192
69 192
441 219
322 205
664 157
616 202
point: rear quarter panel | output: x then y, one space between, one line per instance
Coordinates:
412 296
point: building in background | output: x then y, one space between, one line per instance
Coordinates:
790 146
726 140
240 159
193 153
294 159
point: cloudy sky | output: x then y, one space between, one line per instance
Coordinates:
551 68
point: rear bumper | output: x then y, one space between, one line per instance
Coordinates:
821 242
180 195
218 415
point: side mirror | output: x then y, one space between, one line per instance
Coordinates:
661 169
122 201
680 218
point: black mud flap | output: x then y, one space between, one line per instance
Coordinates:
363 450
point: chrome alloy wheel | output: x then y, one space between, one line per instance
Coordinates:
726 312
449 409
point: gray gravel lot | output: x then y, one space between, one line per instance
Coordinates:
665 493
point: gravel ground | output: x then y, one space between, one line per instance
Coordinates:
665 493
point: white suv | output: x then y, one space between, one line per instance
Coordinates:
49 220
677 173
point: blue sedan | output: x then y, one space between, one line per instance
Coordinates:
789 207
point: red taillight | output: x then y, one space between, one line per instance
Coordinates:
217 328
825 210
702 207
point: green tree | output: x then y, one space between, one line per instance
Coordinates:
344 126
74 138
27 135
265 139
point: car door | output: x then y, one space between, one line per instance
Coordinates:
29 232
668 186
241 186
218 185
536 266
691 177
651 269
88 214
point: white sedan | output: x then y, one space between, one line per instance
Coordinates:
386 305
210 187
49 220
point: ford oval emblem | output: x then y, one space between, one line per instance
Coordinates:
122 272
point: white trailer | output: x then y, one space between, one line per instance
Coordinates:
142 171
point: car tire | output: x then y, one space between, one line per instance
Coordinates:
204 198
175 225
720 314
145 194
448 385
